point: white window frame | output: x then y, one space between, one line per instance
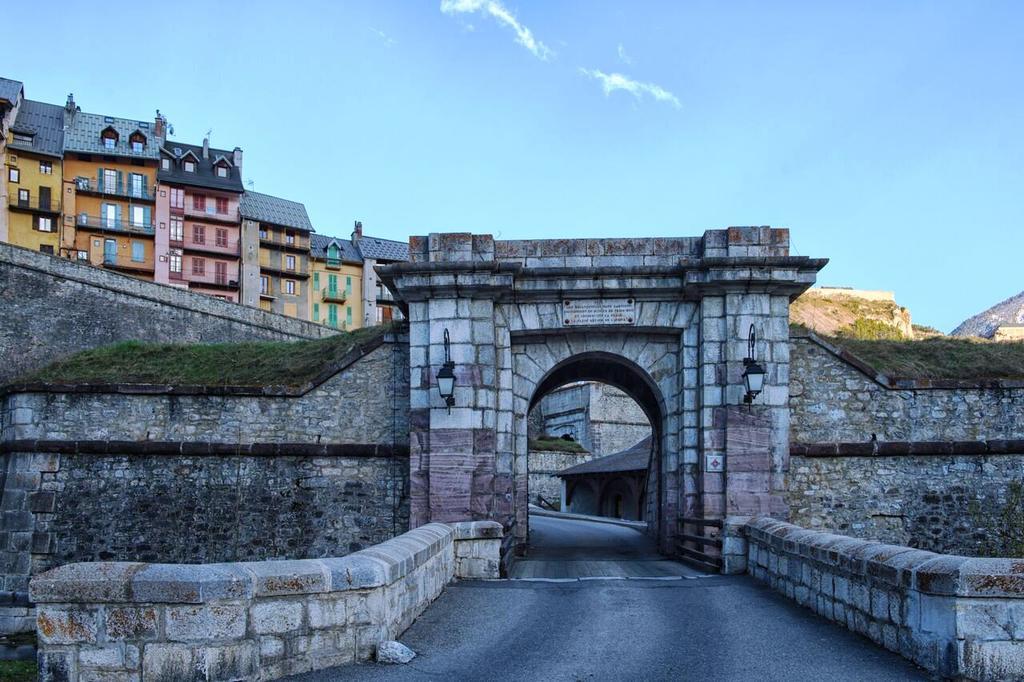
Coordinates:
48 222
138 216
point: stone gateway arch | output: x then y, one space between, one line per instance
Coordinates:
664 319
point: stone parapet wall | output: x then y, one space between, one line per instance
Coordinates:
253 620
956 616
837 399
54 307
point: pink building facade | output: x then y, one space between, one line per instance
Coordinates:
198 230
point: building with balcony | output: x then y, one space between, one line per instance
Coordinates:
198 235
336 296
110 168
35 145
379 306
12 93
275 254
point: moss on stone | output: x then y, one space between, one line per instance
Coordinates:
555 445
249 364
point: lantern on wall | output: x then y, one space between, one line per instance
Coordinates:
446 375
753 373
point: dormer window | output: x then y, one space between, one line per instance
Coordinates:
333 255
109 137
222 171
138 142
190 166
165 164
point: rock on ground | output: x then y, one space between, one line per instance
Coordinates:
394 652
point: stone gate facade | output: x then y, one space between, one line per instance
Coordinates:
665 320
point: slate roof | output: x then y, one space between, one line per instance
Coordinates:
204 175
635 458
383 249
83 135
318 244
268 209
45 122
9 89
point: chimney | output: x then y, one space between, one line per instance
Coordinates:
69 109
238 160
206 147
160 125
357 233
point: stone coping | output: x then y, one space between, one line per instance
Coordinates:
353 355
904 383
894 565
134 582
908 448
205 448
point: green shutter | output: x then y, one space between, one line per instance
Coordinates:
144 186
348 316
332 283
147 215
120 182
316 281
99 179
316 312
117 215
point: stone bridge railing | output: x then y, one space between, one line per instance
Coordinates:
248 621
960 617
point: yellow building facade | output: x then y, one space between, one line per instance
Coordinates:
34 171
336 290
109 178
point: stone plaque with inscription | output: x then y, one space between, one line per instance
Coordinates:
595 312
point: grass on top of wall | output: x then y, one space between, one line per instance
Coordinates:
945 357
255 363
555 445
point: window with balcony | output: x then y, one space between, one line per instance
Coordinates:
289 263
199 267
199 234
139 216
289 238
175 261
24 198
263 233
220 272
221 237
177 198
137 182
110 182
264 284
222 205
13 175
45 168
177 230
199 202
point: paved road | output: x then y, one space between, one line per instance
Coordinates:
570 548
695 628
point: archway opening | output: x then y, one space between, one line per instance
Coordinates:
599 516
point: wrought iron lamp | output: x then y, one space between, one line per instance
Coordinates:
446 375
753 373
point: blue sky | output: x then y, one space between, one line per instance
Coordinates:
886 135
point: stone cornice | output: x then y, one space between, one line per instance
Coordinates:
205 448
908 448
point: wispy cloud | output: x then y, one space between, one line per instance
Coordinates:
388 40
610 82
626 59
502 15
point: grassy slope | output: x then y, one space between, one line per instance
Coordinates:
939 358
555 445
830 315
260 363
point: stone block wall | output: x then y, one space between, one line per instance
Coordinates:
116 475
834 400
543 465
54 307
250 620
955 616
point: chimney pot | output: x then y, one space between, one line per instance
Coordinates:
206 147
357 233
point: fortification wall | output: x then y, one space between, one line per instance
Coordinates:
54 307
122 476
943 474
